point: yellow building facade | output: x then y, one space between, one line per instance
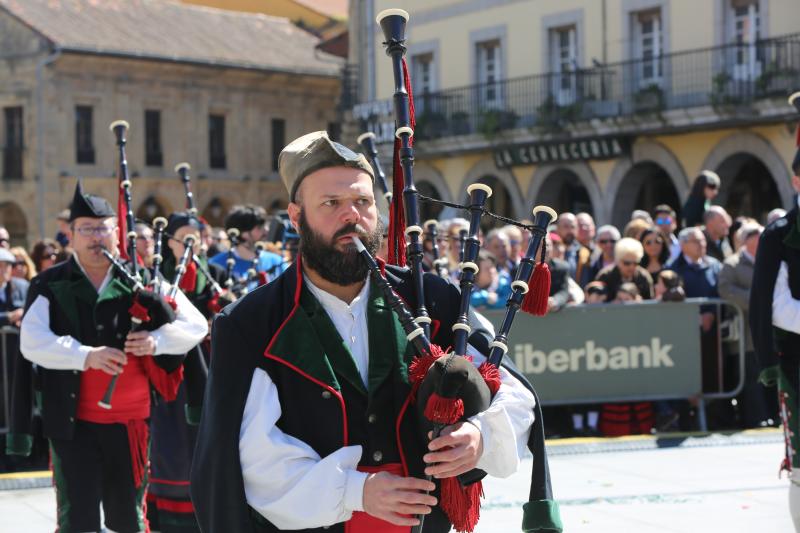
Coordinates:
591 105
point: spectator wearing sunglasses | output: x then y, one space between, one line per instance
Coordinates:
23 265
607 238
656 252
704 190
45 253
628 254
667 221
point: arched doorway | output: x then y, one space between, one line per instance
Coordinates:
151 208
215 212
12 217
429 210
644 186
498 203
748 187
564 191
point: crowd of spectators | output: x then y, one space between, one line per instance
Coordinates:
712 256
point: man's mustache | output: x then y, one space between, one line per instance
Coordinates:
350 228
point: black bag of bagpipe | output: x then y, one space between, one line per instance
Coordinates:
449 388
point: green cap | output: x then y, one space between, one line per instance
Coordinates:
312 152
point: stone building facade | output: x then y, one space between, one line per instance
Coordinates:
223 91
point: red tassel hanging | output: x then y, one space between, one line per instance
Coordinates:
122 225
491 375
165 383
138 311
138 440
262 278
188 281
441 410
397 216
462 505
214 305
535 302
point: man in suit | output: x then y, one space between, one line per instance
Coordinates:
774 307
717 226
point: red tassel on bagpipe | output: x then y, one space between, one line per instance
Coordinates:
188 282
538 295
462 505
262 278
445 411
397 214
419 366
138 440
491 376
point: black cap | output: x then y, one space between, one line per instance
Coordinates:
180 219
245 217
89 205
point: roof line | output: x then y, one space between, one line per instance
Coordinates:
197 62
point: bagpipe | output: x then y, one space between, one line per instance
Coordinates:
368 146
448 388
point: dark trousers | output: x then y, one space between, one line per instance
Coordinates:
95 466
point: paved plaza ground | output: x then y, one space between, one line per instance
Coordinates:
700 484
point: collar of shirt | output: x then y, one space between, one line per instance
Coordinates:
106 280
350 321
701 262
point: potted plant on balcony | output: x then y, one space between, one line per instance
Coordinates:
493 121
776 80
430 125
553 116
649 99
723 92
459 123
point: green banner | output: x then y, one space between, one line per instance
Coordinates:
608 352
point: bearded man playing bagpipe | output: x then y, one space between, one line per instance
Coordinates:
307 423
77 331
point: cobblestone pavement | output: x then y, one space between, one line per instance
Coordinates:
639 485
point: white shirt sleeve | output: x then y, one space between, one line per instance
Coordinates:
41 346
785 309
505 425
284 478
189 328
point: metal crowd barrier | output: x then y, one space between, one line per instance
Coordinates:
631 352
5 366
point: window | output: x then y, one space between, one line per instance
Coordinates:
564 63
84 145
153 154
216 141
488 55
278 140
12 150
648 47
744 30
422 78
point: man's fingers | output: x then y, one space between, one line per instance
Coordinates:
415 498
449 469
445 441
137 335
400 520
405 509
444 456
413 484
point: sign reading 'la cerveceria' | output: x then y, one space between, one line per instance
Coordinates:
562 151
610 352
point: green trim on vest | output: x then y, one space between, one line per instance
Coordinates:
336 350
298 344
541 516
192 413
385 333
69 291
116 288
19 444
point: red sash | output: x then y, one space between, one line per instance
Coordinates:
131 399
365 523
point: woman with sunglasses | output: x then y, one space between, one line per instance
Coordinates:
704 190
45 253
607 238
627 255
656 252
23 266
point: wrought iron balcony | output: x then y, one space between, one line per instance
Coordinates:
726 77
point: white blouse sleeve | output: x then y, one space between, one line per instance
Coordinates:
505 425
284 478
41 346
189 328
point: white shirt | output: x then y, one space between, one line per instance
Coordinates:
785 309
282 474
41 346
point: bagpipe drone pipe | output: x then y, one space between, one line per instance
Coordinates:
448 388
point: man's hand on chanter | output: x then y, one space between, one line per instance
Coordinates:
109 360
455 451
397 499
140 343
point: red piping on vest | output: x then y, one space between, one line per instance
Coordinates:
397 435
292 367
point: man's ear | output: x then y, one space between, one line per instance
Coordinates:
293 210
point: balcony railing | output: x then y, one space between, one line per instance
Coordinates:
725 77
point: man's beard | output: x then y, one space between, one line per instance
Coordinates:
341 268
